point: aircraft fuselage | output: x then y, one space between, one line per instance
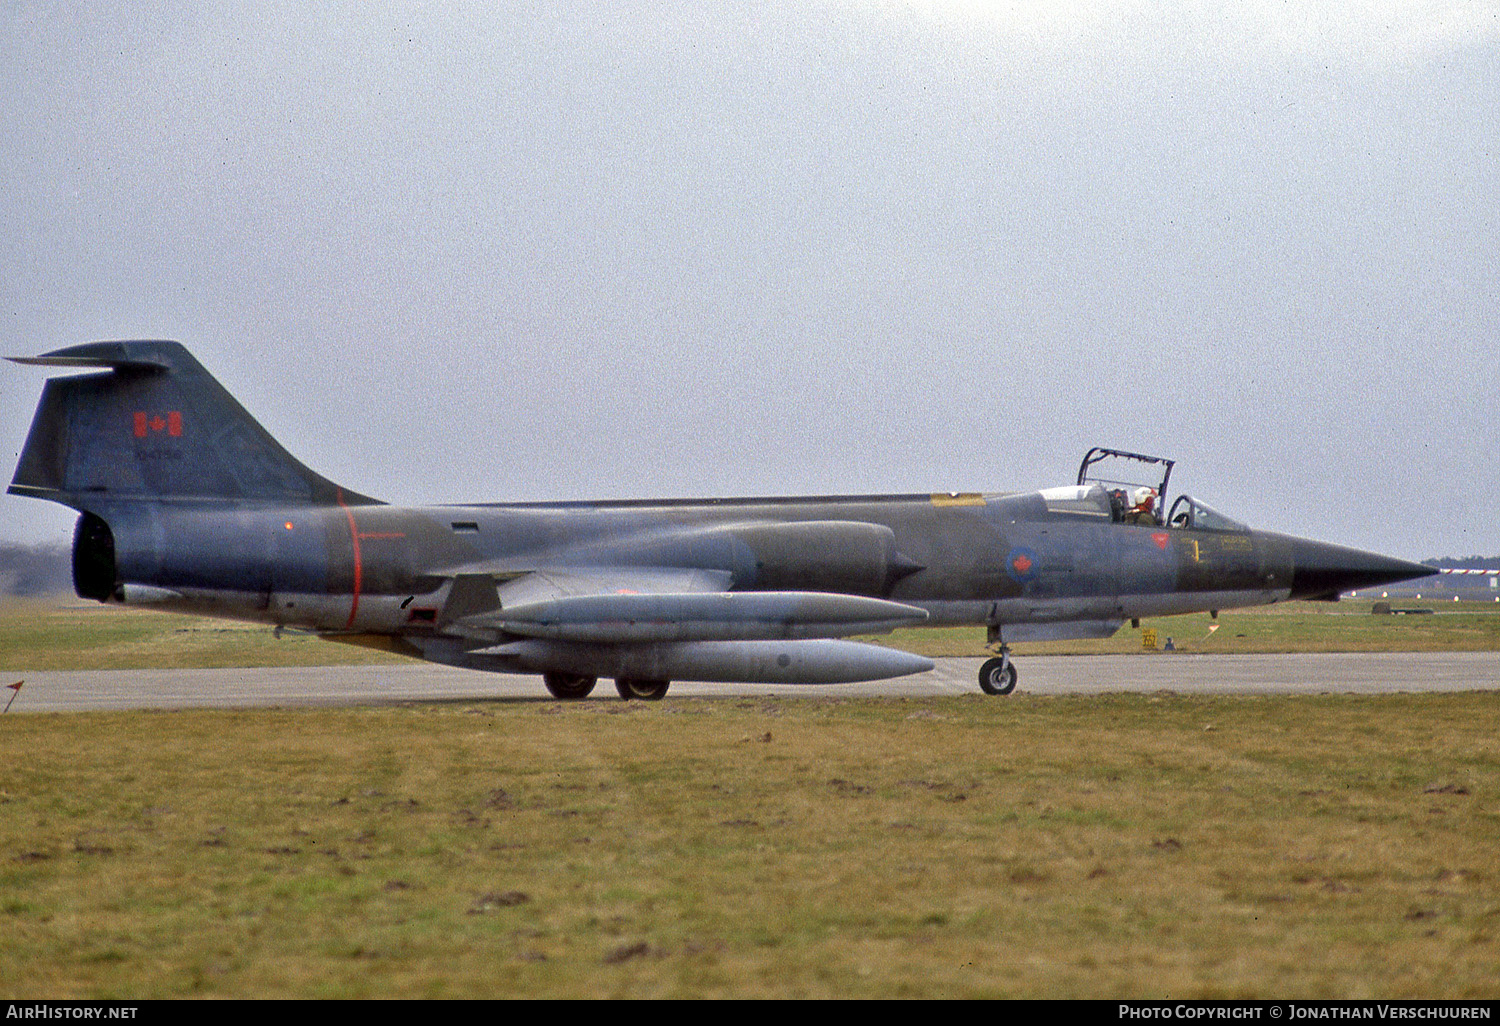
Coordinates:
967 559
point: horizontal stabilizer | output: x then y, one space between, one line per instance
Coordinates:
104 355
702 616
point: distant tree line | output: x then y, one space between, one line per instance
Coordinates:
1465 563
31 570
1475 587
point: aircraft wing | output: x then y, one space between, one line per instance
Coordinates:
633 605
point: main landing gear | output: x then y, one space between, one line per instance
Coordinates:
645 690
998 676
571 687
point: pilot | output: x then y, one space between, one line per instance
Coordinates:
1144 510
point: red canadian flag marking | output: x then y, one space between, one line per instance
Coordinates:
146 423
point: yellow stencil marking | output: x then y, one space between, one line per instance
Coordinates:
957 499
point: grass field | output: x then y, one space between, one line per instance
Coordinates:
1104 847
1109 846
76 635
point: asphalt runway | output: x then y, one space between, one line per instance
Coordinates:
1302 674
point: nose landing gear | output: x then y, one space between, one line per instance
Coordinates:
998 676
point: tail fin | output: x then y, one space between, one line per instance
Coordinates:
156 426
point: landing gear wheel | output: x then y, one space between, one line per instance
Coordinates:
570 687
635 687
997 676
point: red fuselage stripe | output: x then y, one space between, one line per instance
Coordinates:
359 569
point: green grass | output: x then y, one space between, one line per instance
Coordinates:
1140 846
1107 846
1288 627
76 635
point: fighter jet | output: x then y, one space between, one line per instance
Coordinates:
187 504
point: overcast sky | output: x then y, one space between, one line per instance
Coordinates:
520 251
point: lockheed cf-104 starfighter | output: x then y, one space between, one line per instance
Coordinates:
187 504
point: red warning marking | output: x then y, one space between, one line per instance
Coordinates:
1161 538
359 566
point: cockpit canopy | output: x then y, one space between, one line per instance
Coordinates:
1130 480
1190 514
1121 487
1098 502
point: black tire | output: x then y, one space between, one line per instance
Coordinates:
997 677
570 687
645 690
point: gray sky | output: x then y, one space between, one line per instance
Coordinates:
563 251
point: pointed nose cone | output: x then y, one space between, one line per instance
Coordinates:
1320 570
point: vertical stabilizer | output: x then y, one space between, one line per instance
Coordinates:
155 426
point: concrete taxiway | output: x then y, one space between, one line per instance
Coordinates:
76 690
